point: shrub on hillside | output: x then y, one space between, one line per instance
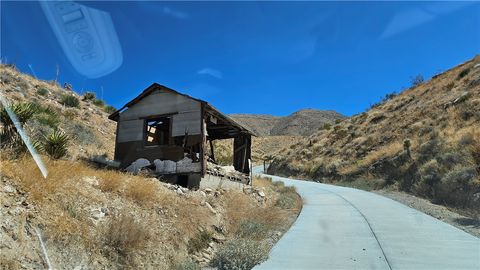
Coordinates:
430 176
199 242
124 235
287 198
99 102
88 96
457 186
252 229
417 80
55 144
42 91
463 73
428 150
109 109
240 254
187 265
70 101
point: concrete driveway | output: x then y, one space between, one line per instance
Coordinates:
345 228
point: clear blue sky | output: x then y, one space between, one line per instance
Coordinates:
259 57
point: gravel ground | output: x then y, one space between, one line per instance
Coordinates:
468 224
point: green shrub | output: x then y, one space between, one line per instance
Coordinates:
82 133
463 73
88 96
42 91
70 114
187 265
287 198
240 254
55 144
429 150
417 80
456 186
109 109
50 120
327 126
199 242
99 102
430 176
70 101
252 229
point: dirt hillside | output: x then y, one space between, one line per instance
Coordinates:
425 140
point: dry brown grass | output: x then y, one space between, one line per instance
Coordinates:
239 208
386 151
262 182
124 235
110 181
142 191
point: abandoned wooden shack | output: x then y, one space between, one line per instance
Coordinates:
174 132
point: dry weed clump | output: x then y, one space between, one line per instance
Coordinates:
141 191
124 235
240 254
110 181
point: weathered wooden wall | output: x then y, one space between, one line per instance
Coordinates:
185 115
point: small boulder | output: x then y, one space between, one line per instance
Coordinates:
8 189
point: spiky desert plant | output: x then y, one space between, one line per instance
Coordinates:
9 136
55 144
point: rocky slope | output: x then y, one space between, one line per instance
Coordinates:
300 123
425 140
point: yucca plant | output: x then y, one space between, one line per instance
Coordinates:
8 135
55 144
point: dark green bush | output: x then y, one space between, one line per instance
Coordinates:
199 242
463 73
70 101
42 91
99 102
55 144
88 96
430 176
457 186
429 150
109 109
252 229
417 80
240 254
187 265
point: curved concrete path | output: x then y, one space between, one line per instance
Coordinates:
345 228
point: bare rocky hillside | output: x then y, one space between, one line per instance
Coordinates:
425 140
300 123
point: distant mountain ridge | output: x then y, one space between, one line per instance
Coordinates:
303 122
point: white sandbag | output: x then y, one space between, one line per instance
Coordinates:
159 165
137 165
169 166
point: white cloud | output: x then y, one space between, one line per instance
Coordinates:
175 13
211 72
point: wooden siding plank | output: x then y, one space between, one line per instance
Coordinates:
131 130
186 122
160 103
